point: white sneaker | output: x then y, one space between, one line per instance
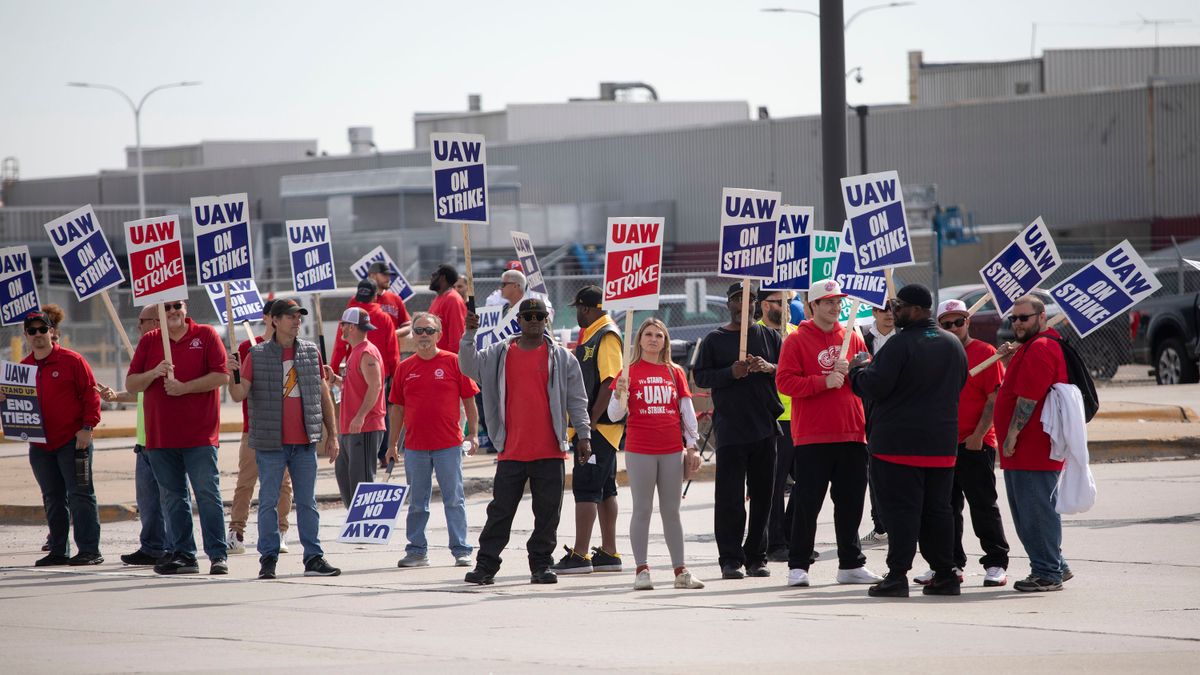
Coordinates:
283 543
415 560
234 544
995 576
874 538
462 560
685 580
858 575
642 581
924 579
797 577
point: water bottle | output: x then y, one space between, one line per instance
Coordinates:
83 468
466 448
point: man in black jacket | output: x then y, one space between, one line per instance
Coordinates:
746 408
912 436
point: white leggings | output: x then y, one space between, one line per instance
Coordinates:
645 473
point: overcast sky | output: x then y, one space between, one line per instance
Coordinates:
305 70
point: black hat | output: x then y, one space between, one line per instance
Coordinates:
589 296
38 316
532 305
366 291
763 294
281 307
736 289
916 295
267 307
379 268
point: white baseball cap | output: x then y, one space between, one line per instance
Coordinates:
357 317
825 289
952 307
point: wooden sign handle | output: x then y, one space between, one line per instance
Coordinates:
854 305
320 327
978 304
745 319
466 235
891 284
112 314
628 355
237 374
162 329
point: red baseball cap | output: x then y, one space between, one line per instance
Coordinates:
514 265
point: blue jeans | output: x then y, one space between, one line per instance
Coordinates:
419 469
301 463
64 500
1031 498
173 468
154 535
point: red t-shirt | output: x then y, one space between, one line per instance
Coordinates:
430 391
66 391
975 392
1035 367
393 306
191 420
354 389
243 352
294 432
527 406
652 425
452 310
383 337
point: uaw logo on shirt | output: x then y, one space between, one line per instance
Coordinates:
829 356
196 343
439 373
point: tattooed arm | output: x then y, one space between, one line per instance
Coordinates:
1021 416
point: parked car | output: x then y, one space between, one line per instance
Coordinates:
1103 351
686 327
986 322
1164 334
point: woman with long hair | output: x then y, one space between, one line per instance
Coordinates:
653 392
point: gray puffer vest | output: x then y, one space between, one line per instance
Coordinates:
266 393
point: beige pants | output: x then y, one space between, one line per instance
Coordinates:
244 491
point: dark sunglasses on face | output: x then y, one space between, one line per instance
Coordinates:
777 303
957 323
169 306
1022 318
897 305
424 331
37 329
533 316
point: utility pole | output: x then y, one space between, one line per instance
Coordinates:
833 113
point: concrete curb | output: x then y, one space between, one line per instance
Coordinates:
131 432
1148 412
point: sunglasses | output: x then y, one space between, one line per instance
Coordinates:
777 303
957 323
169 306
38 329
897 305
1022 318
533 316
424 331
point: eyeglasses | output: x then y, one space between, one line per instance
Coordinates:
424 331
957 323
169 306
37 329
777 303
533 316
898 305
1022 318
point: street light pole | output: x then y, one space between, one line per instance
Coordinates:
137 128
833 113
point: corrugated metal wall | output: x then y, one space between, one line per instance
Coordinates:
1073 70
948 84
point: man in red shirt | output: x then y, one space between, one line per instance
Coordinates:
384 338
183 418
70 406
389 302
532 389
426 394
361 424
448 306
1030 476
975 469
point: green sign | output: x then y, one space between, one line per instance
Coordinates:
824 255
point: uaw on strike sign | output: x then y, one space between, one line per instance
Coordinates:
85 254
311 253
155 249
243 295
400 285
792 250
373 513
221 226
1018 269
633 263
748 233
875 209
1105 288
18 287
459 178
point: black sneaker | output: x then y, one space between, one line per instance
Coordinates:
758 570
893 586
947 583
219 566
138 558
731 572
177 564
81 559
572 563
480 576
52 560
543 576
317 566
1035 584
1068 575
46 545
603 561
266 568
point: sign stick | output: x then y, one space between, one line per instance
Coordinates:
745 319
249 332
320 324
466 232
1053 321
891 285
849 329
978 304
237 374
162 329
112 313
629 338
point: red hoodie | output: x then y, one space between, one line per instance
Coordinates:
819 415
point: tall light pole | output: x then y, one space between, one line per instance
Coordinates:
137 127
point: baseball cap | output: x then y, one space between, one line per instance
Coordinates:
952 307
588 296
267 307
366 291
916 295
825 289
514 265
281 307
378 268
38 316
532 305
736 289
357 317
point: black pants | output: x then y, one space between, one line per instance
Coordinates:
841 469
546 480
917 502
975 480
876 514
779 526
741 468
